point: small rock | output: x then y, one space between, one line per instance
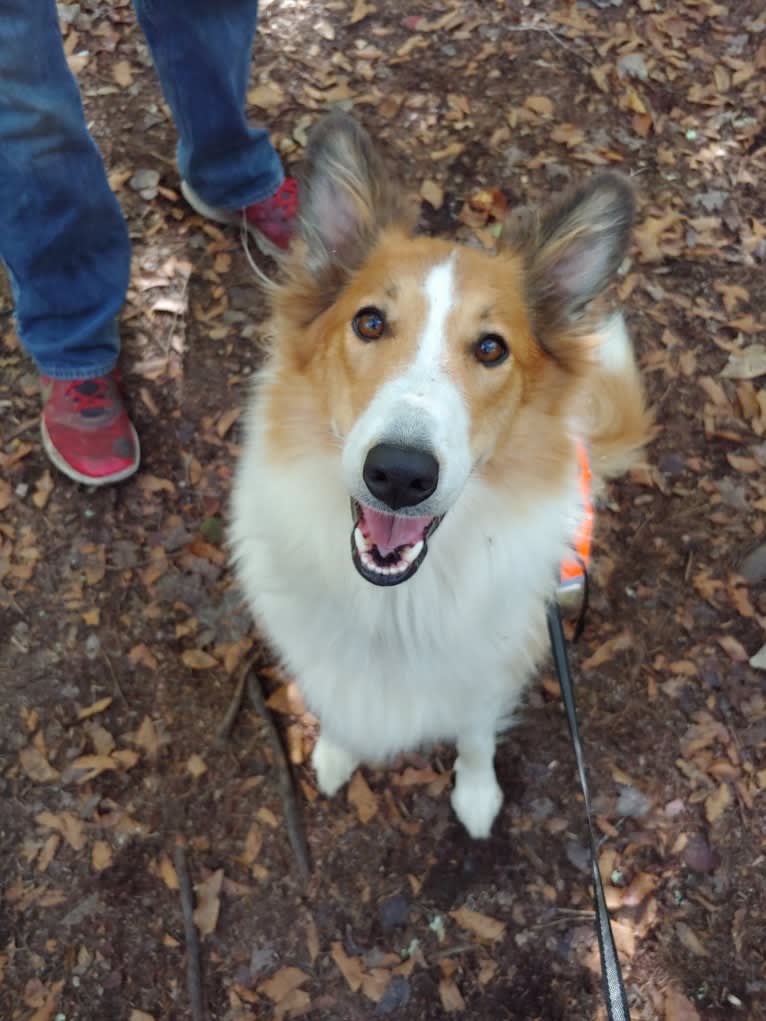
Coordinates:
145 180
632 803
758 661
632 65
699 856
394 912
753 567
92 645
579 856
397 995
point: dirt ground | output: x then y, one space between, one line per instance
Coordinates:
122 632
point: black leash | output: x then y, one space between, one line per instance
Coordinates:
611 974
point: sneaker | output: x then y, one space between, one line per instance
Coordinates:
86 430
270 223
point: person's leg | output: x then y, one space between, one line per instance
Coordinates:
65 245
202 52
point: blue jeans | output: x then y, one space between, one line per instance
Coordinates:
63 238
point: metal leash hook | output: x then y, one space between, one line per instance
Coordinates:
573 597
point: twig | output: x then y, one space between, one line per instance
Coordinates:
540 26
23 427
193 966
227 724
115 680
295 832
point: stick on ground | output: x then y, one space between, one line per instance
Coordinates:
193 960
287 788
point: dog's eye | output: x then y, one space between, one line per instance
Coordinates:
369 323
490 349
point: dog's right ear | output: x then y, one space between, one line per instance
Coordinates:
345 197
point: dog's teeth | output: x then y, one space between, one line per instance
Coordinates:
359 539
411 555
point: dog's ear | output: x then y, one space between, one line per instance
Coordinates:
346 196
573 251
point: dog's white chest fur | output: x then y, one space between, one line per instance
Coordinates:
443 657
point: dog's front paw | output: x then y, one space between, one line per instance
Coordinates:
476 801
333 765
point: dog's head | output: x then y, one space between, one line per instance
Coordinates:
427 361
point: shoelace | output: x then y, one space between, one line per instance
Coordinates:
88 395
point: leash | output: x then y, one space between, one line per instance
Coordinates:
611 974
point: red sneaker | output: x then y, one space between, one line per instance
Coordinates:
271 223
86 430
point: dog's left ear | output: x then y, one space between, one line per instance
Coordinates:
574 250
346 197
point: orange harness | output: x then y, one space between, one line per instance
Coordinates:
573 568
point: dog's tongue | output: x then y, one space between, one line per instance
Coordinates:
389 531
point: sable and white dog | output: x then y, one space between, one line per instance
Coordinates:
409 483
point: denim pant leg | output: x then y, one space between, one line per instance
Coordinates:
202 51
62 234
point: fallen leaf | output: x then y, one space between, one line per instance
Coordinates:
282 983
154 484
717 803
349 967
43 490
142 654
92 766
168 872
362 798
483 926
226 421
432 193
208 903
450 995
67 824
6 494
691 940
746 364
36 766
196 659
48 1008
196 765
361 10
46 857
122 73
540 105
679 1008
140 1015
267 96
146 737
101 855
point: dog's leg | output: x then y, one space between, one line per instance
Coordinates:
477 797
333 765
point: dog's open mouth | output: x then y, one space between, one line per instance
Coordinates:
387 549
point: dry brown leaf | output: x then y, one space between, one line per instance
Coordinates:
43 490
432 193
168 872
253 844
197 659
101 855
92 766
226 421
6 494
48 853
733 648
67 824
140 1015
450 995
208 903
607 650
312 939
142 654
361 10
282 983
717 803
196 765
349 967
375 983
287 699
746 364
362 798
540 105
154 484
122 73
147 738
267 96
679 1008
480 925
46 1011
36 766
691 940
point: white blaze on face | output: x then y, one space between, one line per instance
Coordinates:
422 407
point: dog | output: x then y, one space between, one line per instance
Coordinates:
409 480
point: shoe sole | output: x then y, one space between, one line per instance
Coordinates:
88 480
231 219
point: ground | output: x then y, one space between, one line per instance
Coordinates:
123 632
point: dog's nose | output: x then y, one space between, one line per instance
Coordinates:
400 476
